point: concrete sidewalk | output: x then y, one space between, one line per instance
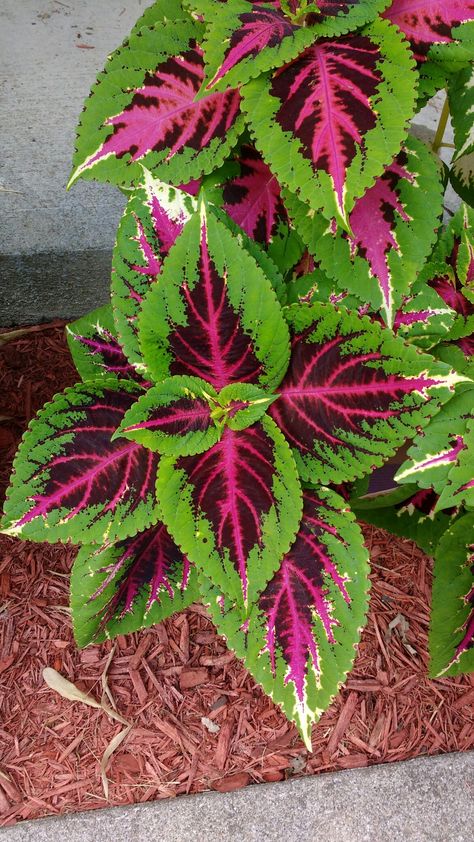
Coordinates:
422 800
55 247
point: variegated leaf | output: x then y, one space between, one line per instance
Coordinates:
392 230
235 509
71 482
96 350
459 488
153 218
451 638
428 22
331 120
423 318
353 393
300 641
441 446
175 417
413 517
461 106
461 176
128 586
212 312
143 111
245 39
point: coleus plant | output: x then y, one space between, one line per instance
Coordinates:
286 314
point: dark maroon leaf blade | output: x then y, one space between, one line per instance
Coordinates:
212 312
130 585
71 482
301 638
427 22
235 509
353 393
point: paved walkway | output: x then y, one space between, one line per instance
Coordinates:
423 800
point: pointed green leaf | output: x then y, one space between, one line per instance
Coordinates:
71 481
393 226
440 447
153 218
173 418
124 587
244 404
451 638
301 638
235 509
331 120
212 312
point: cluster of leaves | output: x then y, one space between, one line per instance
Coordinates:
286 313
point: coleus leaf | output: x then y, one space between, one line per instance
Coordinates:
459 488
160 10
124 587
441 446
153 218
235 509
243 404
392 230
423 317
95 349
212 312
353 392
413 517
451 637
143 111
71 482
461 107
174 417
427 22
250 195
450 270
300 640
245 39
334 117
461 176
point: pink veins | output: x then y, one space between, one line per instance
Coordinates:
325 102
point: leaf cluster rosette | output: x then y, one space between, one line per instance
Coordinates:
286 313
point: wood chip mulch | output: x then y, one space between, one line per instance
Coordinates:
198 720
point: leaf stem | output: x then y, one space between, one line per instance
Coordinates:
438 138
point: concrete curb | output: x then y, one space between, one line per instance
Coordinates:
422 800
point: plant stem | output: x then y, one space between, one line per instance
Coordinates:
438 138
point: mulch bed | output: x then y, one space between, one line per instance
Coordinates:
168 679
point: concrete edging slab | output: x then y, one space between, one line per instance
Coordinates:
422 800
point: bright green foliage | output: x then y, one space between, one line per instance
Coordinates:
395 97
287 313
452 618
247 290
112 594
442 456
327 665
393 229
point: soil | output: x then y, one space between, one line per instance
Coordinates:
198 720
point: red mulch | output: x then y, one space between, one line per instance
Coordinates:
166 679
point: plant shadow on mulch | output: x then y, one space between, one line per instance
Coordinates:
169 678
